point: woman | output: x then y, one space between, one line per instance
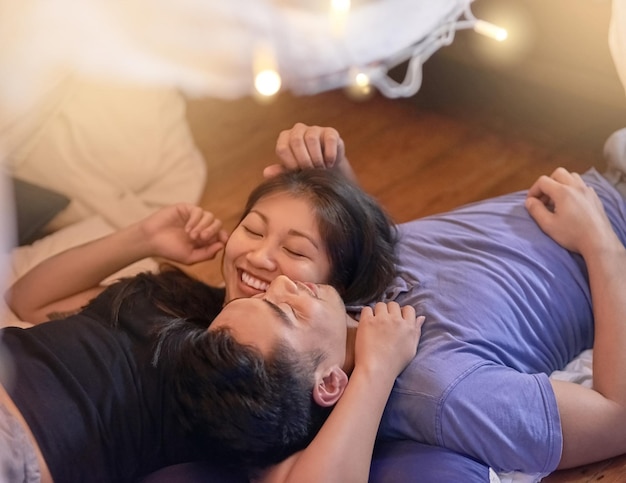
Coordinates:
100 371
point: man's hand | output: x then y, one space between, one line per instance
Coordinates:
570 212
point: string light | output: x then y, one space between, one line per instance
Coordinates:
490 30
417 54
362 81
360 86
267 80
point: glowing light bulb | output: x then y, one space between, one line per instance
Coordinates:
267 82
361 80
490 30
340 6
360 87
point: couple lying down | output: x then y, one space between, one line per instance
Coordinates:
161 369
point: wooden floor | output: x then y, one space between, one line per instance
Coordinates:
416 156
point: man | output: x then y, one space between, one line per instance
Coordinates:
505 306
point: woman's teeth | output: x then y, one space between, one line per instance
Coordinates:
253 282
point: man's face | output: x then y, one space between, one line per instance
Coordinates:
308 317
280 236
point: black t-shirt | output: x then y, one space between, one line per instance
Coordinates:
88 389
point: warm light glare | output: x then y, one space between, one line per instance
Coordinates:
521 30
339 10
267 82
362 80
490 30
340 6
360 86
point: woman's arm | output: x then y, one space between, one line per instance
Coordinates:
65 282
593 420
341 452
303 147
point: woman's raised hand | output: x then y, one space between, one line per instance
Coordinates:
387 338
304 147
184 233
570 212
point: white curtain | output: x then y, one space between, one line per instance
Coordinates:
617 38
205 47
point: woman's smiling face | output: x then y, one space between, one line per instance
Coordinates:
279 236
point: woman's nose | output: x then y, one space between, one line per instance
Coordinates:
262 256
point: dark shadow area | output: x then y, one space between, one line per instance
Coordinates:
501 102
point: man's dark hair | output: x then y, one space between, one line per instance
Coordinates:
256 410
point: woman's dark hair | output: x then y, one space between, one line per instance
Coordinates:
359 236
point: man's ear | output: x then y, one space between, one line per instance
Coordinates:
329 388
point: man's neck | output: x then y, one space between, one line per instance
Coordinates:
348 366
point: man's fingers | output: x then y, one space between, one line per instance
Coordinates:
408 312
538 210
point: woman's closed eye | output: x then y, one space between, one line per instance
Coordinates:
295 253
252 232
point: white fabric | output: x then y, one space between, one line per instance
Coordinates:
120 151
312 58
617 38
206 47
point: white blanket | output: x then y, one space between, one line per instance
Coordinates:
116 150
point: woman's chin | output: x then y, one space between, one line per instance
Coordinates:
241 290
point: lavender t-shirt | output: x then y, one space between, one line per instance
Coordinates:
505 306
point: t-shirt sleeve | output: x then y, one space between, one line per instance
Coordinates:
490 412
516 413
